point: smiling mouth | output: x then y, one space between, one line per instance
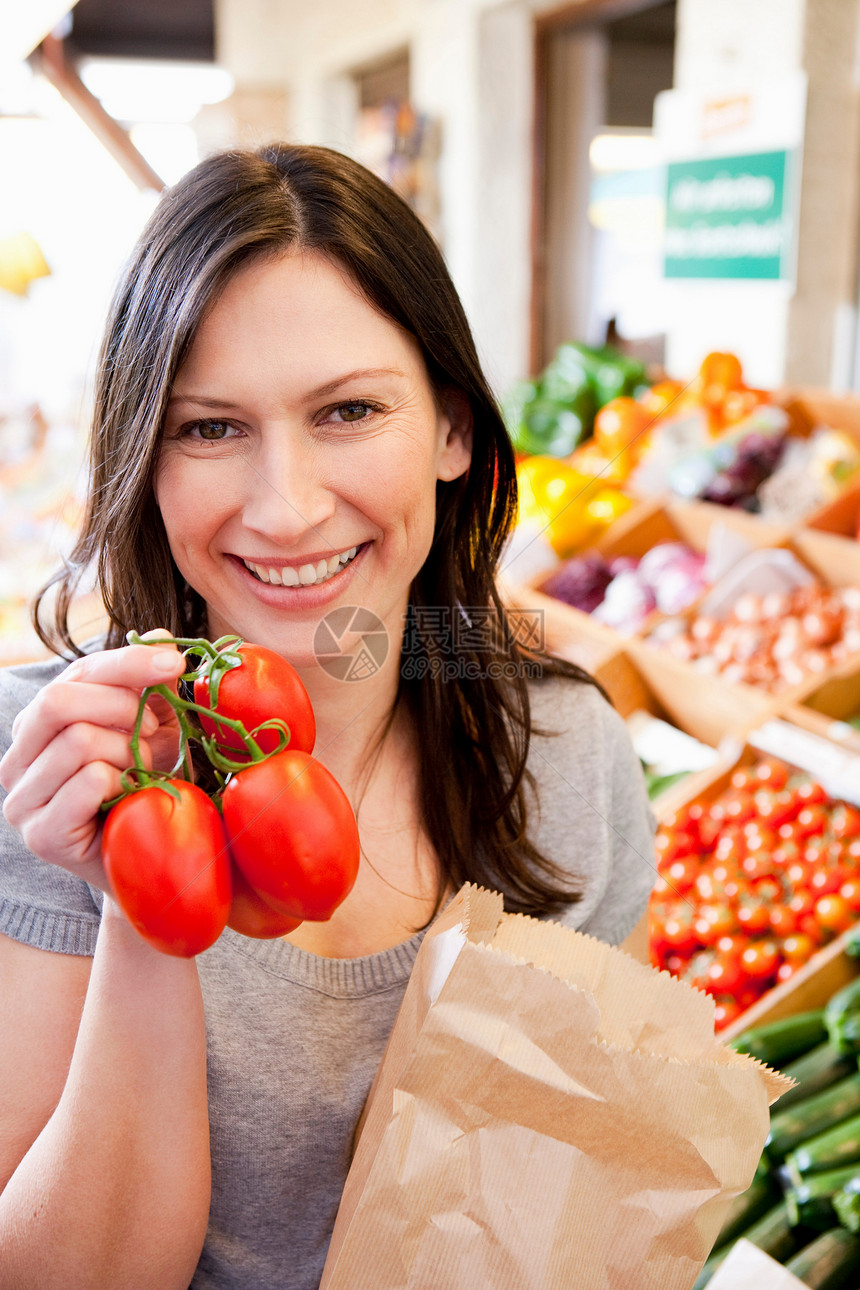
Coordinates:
303 575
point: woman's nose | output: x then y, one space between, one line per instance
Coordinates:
285 495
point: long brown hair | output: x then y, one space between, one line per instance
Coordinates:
232 208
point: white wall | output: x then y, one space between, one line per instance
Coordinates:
471 67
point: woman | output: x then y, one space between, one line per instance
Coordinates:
290 420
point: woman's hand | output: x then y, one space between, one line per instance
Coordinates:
71 744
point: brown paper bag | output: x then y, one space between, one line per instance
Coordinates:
549 1114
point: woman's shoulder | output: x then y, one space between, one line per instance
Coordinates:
567 705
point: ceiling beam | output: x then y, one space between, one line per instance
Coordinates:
49 58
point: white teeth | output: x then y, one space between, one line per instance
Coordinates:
306 575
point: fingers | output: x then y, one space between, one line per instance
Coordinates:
67 831
67 755
101 691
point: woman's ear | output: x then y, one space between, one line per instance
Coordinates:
455 436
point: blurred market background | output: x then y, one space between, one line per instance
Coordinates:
651 209
534 137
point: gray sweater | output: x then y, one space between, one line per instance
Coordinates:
293 1040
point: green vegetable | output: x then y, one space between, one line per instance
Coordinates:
830 1262
829 1150
847 1205
783 1040
745 1209
842 1018
657 784
815 1071
710 1267
772 1233
791 1127
554 413
811 1202
852 943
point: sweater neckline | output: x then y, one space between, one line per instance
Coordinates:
367 974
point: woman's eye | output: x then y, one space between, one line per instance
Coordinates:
209 429
353 411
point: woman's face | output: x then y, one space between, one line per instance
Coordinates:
300 456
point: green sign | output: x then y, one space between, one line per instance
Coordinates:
730 217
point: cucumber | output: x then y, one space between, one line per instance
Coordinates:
842 1018
772 1233
829 1150
782 1041
710 1267
811 1202
745 1209
847 1205
815 1071
791 1127
830 1262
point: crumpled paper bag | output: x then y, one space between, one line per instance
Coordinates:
549 1114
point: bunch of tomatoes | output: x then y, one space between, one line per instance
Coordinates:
751 883
274 844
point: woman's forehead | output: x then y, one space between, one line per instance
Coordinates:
303 313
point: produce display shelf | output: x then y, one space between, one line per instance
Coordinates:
718 711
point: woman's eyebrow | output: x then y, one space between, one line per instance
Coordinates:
200 400
360 373
320 392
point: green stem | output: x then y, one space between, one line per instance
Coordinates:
218 657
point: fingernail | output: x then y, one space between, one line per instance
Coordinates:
165 660
149 722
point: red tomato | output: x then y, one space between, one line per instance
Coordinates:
251 915
682 874
775 807
845 821
753 916
783 921
812 821
725 975
834 912
825 882
760 959
798 947
725 1011
810 793
679 935
292 832
264 686
773 774
850 891
167 861
740 807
